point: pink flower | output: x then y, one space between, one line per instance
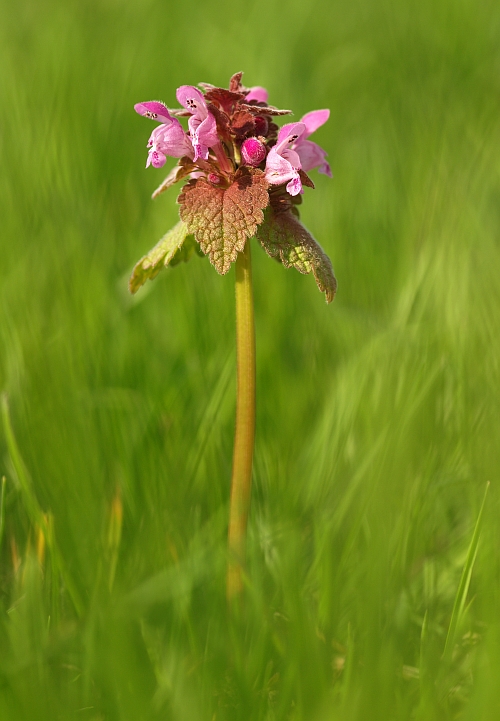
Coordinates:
283 163
311 154
202 125
258 94
169 138
155 110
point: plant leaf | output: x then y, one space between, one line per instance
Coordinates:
235 82
176 246
242 123
222 219
227 99
283 236
264 110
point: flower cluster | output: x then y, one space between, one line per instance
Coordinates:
245 176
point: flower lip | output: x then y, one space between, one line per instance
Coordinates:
314 120
154 110
283 163
311 154
168 139
202 125
289 134
193 100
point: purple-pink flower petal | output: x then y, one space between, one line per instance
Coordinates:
168 139
203 135
193 100
289 134
202 125
155 110
313 156
258 94
156 158
278 169
314 120
282 166
283 163
294 187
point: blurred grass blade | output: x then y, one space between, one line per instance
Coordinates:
209 418
114 536
424 676
35 513
463 587
2 509
34 510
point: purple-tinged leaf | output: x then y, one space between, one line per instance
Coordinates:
225 98
306 180
244 123
207 86
221 118
283 236
263 110
179 112
222 219
235 82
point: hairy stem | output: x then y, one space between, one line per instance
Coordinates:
241 481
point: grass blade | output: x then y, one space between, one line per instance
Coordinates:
463 587
35 512
2 509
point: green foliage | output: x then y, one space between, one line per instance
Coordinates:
377 426
283 236
175 247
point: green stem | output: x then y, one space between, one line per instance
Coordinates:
241 481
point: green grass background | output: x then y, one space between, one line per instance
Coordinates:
378 416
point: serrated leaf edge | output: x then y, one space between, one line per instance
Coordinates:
148 267
279 252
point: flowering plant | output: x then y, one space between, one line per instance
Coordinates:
245 177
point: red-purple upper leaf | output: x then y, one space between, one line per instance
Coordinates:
235 82
225 98
242 123
263 110
222 219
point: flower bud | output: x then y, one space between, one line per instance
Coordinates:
253 152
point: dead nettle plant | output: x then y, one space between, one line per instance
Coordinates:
245 179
